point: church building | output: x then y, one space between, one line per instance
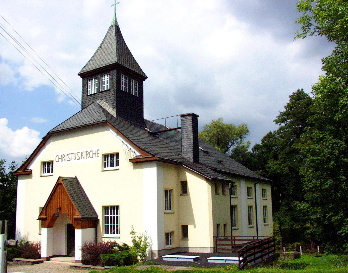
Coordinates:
107 170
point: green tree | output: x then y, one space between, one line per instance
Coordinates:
323 146
277 157
8 193
224 136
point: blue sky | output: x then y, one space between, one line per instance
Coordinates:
218 58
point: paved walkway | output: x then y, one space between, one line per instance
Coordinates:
56 265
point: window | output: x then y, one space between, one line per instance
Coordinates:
47 168
223 188
40 209
184 231
250 215
233 190
111 161
124 83
249 192
169 238
168 196
134 88
184 189
225 229
105 82
264 194
234 215
216 185
217 229
265 214
112 220
93 86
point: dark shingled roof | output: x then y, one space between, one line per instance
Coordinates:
79 198
166 146
113 50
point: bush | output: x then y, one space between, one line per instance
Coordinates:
120 258
13 252
91 251
29 250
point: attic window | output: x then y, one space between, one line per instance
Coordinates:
105 82
93 86
134 88
124 83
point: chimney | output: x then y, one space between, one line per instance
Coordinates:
189 137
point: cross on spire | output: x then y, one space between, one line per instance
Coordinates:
115 17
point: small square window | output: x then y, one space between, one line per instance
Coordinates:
184 231
169 238
47 168
111 161
249 192
184 189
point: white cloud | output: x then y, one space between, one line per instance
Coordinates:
7 75
38 120
17 143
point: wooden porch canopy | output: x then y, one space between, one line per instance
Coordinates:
68 197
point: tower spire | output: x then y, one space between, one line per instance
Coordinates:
114 21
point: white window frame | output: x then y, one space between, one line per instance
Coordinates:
234 216
111 224
47 168
250 216
169 236
93 86
134 87
105 82
265 214
111 161
124 83
168 200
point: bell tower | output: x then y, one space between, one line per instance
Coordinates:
114 76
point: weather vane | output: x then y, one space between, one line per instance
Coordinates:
114 5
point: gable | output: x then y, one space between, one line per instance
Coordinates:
68 197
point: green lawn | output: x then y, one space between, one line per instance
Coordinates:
306 264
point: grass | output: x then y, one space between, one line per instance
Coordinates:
306 264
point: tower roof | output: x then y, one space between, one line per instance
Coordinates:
113 51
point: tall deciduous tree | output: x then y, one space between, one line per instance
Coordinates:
277 158
224 136
8 193
323 146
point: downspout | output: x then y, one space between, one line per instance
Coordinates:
230 197
257 219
